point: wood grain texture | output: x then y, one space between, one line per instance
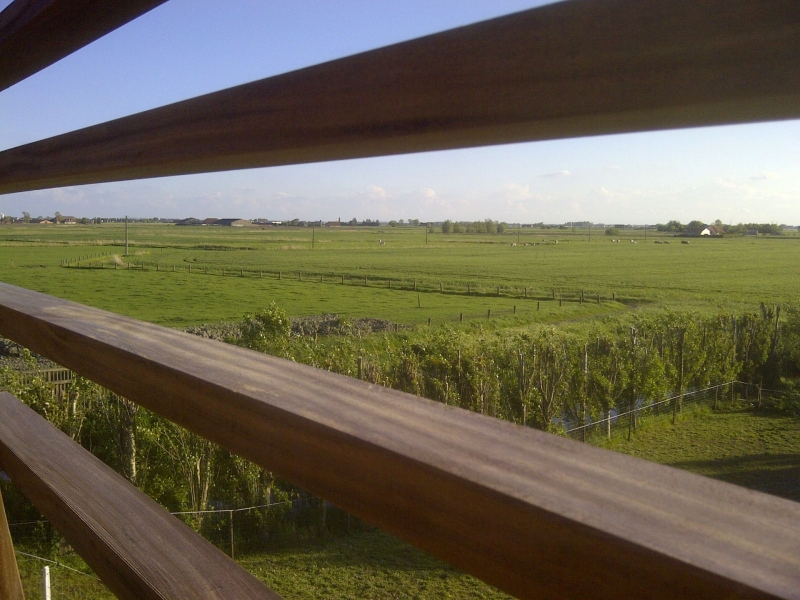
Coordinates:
537 515
137 548
36 33
584 67
10 583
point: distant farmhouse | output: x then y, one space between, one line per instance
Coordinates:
232 222
712 230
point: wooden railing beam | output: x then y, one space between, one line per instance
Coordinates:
36 33
135 546
10 582
534 514
584 67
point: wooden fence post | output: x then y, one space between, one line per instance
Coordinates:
10 582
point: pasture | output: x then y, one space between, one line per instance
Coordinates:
180 276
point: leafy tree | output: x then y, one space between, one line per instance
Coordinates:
612 231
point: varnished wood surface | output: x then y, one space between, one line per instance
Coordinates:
36 33
537 515
136 547
10 583
584 67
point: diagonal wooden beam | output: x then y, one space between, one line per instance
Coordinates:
537 515
10 583
584 67
36 33
136 547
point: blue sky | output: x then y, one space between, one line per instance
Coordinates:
185 48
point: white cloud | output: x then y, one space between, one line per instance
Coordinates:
765 175
557 174
375 192
516 191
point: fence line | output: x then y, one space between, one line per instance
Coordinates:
629 420
524 293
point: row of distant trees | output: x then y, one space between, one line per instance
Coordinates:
486 226
695 227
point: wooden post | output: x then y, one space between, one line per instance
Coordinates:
613 296
415 285
525 293
279 275
390 284
360 367
342 279
598 298
322 278
461 318
365 282
515 309
554 293
241 272
538 305
10 582
489 313
46 584
560 300
419 302
429 321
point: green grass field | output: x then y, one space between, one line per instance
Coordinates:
454 274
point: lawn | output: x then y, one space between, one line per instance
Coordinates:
453 274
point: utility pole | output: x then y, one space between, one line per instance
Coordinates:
126 235
312 237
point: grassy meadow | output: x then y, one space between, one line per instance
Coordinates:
237 270
181 276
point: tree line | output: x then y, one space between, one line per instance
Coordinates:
545 378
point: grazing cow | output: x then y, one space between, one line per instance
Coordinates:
513 245
381 242
632 242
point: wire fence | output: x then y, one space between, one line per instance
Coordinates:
234 531
619 423
460 288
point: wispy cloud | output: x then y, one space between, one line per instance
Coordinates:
765 175
557 174
375 192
